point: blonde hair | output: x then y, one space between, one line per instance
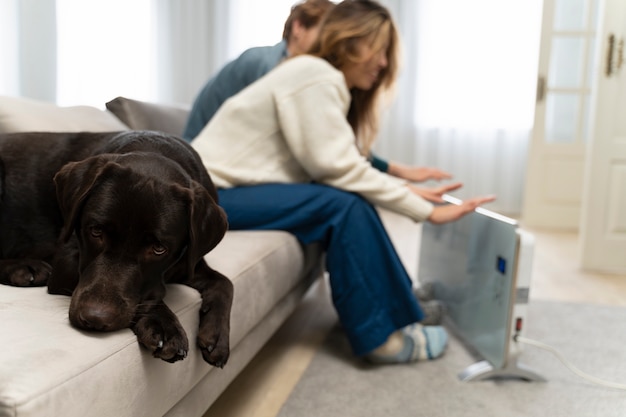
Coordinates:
345 26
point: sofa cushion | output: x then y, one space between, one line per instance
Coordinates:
51 368
264 267
25 115
141 115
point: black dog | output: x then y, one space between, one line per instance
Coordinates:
110 218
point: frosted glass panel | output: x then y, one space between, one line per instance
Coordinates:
595 6
566 62
561 117
569 15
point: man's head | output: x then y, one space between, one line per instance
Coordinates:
302 25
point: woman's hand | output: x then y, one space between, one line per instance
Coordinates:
417 174
452 212
434 194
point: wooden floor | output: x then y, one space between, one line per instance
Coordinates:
266 383
558 276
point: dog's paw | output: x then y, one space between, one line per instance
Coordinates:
166 339
25 273
214 345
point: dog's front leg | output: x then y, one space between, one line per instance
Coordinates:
64 278
24 272
217 298
158 329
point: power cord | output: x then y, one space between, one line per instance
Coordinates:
568 364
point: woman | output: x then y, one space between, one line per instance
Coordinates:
300 31
287 153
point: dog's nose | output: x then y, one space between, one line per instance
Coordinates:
96 317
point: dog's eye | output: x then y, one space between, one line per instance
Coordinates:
95 231
159 249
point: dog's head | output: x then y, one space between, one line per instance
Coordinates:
136 216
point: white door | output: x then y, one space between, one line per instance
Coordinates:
553 190
603 225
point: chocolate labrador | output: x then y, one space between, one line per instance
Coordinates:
110 218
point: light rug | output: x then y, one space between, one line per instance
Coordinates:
592 337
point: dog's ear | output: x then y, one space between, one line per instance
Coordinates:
207 223
74 181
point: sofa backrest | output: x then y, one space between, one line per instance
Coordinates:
18 114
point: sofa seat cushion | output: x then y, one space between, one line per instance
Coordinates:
48 367
264 266
26 115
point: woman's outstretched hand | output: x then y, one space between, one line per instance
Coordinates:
435 194
452 212
417 174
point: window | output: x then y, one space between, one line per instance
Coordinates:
256 23
9 78
105 48
476 63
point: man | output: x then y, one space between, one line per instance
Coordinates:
301 29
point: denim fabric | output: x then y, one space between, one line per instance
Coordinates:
371 290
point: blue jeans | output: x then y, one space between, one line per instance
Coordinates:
371 290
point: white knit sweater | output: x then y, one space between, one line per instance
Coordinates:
290 126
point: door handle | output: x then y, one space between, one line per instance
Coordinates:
609 57
620 54
541 88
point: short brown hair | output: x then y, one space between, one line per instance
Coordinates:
308 12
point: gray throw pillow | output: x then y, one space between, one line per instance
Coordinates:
142 115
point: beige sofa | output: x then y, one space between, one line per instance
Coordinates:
48 368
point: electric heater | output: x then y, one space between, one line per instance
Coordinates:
480 268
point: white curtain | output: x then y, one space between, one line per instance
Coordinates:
76 52
28 48
192 42
9 76
465 99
